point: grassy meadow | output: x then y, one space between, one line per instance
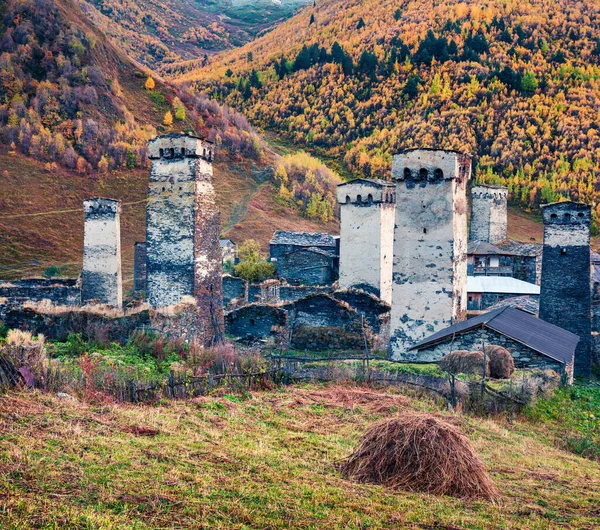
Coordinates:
267 460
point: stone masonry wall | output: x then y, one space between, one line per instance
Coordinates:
367 236
430 245
101 277
183 227
565 297
489 214
139 267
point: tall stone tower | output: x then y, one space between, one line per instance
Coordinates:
565 297
183 230
101 278
489 214
367 236
429 287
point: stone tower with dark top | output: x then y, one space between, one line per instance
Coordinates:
183 230
429 283
101 279
565 297
489 214
367 236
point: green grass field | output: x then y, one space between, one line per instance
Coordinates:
264 460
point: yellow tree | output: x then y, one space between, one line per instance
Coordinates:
168 119
150 84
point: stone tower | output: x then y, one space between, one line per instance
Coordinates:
429 285
489 214
565 297
101 278
367 236
183 230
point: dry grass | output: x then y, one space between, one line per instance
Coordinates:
501 362
262 460
420 452
464 362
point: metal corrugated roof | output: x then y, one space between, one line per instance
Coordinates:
539 335
500 285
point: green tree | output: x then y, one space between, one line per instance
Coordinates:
529 83
180 113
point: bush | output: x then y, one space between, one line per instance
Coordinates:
23 350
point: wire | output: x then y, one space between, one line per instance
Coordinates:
57 212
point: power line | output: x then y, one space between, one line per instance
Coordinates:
57 212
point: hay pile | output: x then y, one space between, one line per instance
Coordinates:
502 364
420 452
464 362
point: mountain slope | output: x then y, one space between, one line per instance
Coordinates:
515 83
162 34
75 118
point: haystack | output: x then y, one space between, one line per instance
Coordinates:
464 362
502 364
420 452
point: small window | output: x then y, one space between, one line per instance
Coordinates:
424 230
439 174
359 199
164 189
370 198
183 151
161 152
204 153
563 251
553 216
172 150
567 217
423 173
347 199
580 214
407 173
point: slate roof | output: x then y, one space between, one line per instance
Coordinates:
225 242
500 285
524 303
520 248
303 239
483 248
539 335
375 182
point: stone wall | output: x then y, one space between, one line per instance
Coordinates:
304 266
321 323
139 267
367 236
183 227
92 325
101 280
376 312
66 292
234 289
565 297
489 214
475 340
255 321
430 245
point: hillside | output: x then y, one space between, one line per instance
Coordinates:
264 460
514 83
75 117
163 35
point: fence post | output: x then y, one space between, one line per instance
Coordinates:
172 383
132 391
484 371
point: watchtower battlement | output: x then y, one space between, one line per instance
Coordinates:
421 167
176 146
99 207
489 192
567 214
366 192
